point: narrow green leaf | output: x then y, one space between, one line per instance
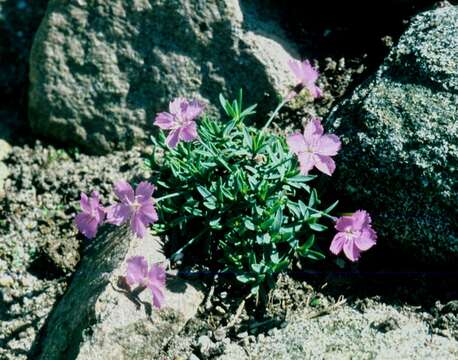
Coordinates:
317 227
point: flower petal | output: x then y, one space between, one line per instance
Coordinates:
306 162
165 120
324 163
173 138
118 214
86 224
193 110
189 132
315 91
144 191
137 270
313 131
177 105
148 213
84 203
361 219
366 240
344 223
124 191
156 275
296 143
295 67
328 145
158 296
351 251
137 225
308 73
337 243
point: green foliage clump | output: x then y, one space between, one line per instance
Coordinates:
236 199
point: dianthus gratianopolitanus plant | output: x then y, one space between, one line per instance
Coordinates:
237 199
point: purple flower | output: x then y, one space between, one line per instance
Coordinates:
91 216
154 279
137 207
355 235
306 75
180 120
314 149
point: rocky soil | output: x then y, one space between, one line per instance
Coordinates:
39 247
395 311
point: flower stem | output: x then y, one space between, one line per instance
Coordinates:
167 197
225 164
197 237
274 114
333 218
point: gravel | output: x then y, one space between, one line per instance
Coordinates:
39 246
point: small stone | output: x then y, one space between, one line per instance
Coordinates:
4 173
5 149
242 335
386 325
220 310
219 334
6 281
204 344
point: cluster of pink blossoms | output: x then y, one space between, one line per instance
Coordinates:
313 148
137 209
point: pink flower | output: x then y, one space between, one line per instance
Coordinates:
306 75
180 120
154 279
137 207
314 149
91 216
355 235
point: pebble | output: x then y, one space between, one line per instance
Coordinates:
6 281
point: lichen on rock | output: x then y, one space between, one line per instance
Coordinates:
400 135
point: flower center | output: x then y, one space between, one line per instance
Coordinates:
351 233
135 205
180 120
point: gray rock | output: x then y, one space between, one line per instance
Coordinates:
233 352
5 149
98 319
400 136
101 69
347 334
4 173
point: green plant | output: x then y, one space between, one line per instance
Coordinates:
237 199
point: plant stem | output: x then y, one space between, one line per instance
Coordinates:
274 114
213 153
333 218
197 237
167 197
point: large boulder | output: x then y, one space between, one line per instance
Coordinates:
98 318
101 69
400 135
